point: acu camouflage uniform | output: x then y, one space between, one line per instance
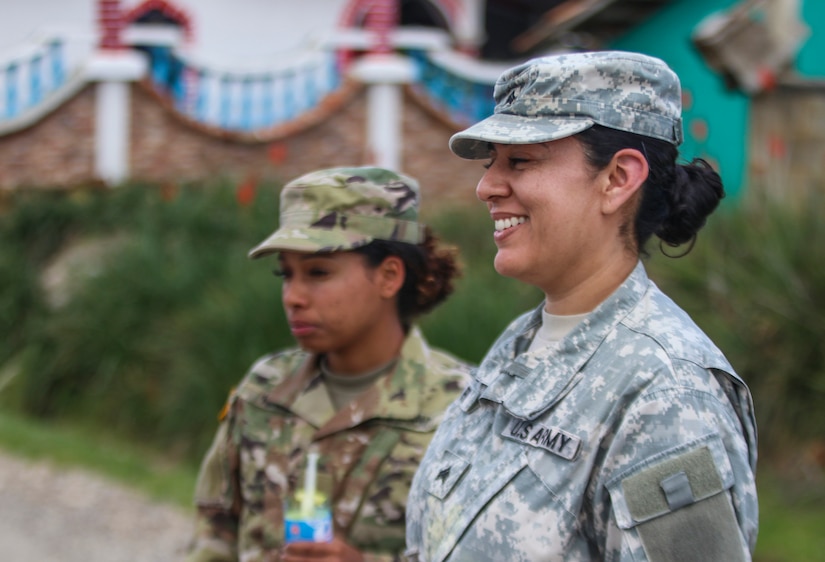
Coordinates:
371 449
631 438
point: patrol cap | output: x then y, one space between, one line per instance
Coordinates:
340 209
553 97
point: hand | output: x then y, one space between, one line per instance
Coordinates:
335 551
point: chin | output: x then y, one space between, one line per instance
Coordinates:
313 347
506 267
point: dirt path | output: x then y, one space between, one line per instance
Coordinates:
68 515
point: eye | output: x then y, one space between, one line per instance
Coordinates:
492 152
515 162
281 273
318 272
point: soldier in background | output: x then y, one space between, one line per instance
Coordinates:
364 390
604 424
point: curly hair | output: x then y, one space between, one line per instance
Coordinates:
431 268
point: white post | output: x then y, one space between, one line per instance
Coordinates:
113 70
384 74
112 132
383 125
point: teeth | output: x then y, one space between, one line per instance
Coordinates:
502 224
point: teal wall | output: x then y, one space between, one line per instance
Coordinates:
811 59
706 100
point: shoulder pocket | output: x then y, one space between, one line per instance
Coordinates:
680 506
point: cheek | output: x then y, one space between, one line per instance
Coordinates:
347 299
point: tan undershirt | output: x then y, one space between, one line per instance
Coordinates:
343 389
554 328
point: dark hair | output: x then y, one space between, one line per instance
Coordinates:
676 198
430 271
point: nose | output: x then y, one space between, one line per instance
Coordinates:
493 183
293 294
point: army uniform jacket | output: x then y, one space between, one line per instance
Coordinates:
370 449
631 439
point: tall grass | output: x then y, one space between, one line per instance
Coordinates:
755 283
153 338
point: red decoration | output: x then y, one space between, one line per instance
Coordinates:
767 78
278 152
776 146
245 194
699 129
110 19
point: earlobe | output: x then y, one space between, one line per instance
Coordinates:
627 173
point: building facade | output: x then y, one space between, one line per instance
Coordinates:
110 91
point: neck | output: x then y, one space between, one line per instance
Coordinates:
377 348
583 296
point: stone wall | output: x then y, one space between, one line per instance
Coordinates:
58 151
55 152
444 177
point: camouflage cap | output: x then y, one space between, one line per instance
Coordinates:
340 209
553 97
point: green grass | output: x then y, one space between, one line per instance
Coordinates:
144 470
792 515
792 519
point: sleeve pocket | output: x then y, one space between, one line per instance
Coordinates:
213 487
679 505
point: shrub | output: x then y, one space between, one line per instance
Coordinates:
754 282
151 342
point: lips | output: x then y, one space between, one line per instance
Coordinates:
302 329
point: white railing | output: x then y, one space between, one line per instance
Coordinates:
41 74
244 100
34 74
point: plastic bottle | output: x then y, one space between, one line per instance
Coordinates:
308 510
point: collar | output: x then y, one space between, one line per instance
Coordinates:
529 383
390 398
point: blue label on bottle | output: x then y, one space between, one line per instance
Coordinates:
316 529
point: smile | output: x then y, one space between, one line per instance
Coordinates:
504 224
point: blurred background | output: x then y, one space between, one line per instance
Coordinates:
143 144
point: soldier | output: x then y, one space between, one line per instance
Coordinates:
364 390
604 424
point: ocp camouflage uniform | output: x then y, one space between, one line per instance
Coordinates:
631 439
370 448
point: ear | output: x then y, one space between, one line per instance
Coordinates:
626 173
390 276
